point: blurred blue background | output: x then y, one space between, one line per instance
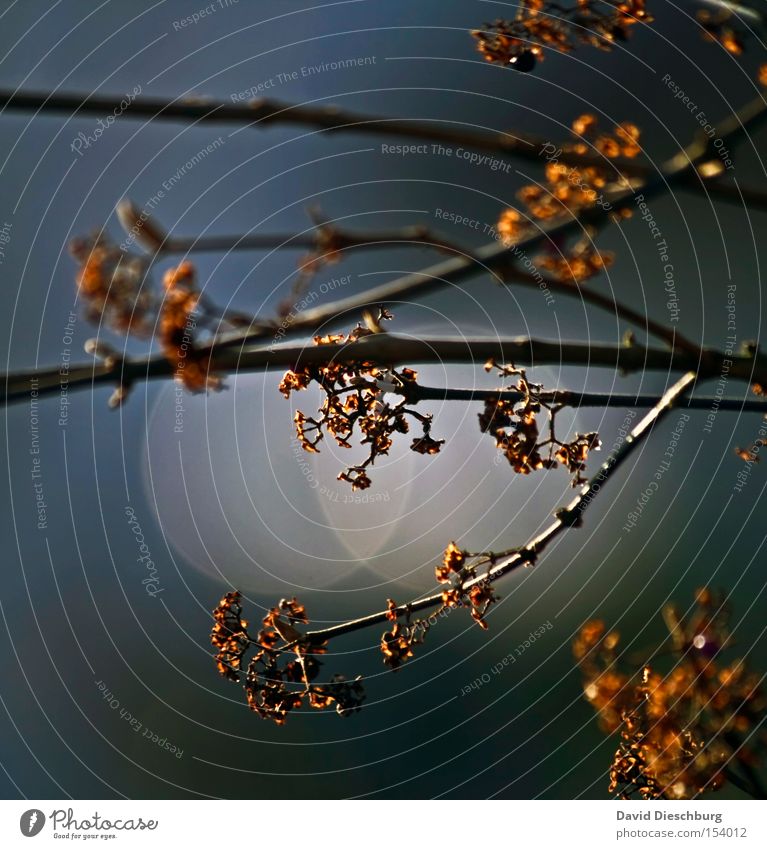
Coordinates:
229 502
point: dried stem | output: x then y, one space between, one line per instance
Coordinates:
160 242
748 13
592 296
343 240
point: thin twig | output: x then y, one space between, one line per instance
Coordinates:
739 9
149 232
592 296
342 240
325 237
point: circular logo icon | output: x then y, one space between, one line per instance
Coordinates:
32 822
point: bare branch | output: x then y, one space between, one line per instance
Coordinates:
154 237
391 349
262 112
232 351
416 236
590 295
748 13
569 398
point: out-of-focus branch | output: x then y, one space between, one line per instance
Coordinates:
326 237
262 112
747 13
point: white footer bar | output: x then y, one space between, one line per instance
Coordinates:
379 824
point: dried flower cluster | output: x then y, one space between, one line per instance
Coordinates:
459 568
514 425
521 42
631 773
721 26
579 264
397 643
540 24
686 731
357 395
282 672
116 289
177 330
570 190
113 286
229 636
